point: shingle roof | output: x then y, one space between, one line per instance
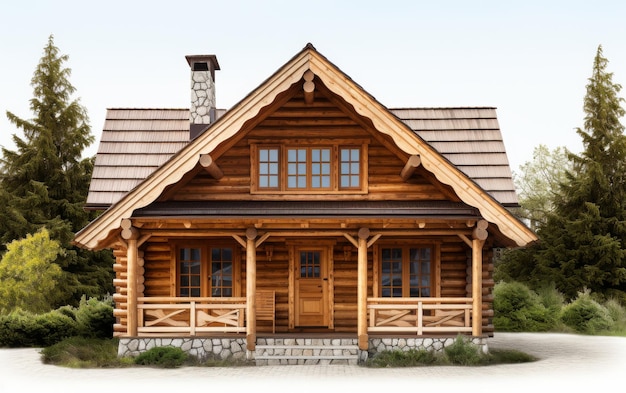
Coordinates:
469 138
135 142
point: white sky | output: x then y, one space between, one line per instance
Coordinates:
530 59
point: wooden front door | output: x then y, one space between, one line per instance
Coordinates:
311 287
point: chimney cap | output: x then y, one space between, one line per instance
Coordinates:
209 59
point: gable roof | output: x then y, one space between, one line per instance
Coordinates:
135 142
364 104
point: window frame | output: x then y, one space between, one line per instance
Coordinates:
205 246
435 265
335 146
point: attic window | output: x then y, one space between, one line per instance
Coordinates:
309 169
201 66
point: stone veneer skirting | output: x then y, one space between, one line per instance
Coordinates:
235 348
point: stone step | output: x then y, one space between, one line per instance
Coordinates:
301 353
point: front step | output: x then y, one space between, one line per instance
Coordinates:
293 351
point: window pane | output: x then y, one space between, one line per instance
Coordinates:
221 271
189 271
350 168
310 264
268 167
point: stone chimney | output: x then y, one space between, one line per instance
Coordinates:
202 110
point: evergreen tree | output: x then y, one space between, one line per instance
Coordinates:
583 243
45 180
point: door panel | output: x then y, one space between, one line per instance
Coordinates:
311 292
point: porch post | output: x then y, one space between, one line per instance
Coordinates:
479 236
131 234
251 234
362 289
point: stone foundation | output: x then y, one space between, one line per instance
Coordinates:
202 348
291 351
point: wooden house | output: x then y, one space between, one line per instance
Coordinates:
308 209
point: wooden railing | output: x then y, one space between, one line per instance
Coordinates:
419 315
191 315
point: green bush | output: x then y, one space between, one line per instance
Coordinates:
618 314
25 329
93 319
519 309
165 357
410 358
587 316
463 353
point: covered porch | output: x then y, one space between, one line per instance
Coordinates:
351 290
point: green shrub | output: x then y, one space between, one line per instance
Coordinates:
52 327
586 316
519 309
95 318
410 358
617 312
463 353
25 329
165 357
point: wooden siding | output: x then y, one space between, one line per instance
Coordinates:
297 124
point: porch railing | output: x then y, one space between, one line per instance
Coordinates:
191 315
419 315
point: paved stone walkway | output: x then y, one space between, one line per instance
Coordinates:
570 362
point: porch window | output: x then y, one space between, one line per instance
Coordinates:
308 169
205 271
406 271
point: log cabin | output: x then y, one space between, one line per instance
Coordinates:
307 216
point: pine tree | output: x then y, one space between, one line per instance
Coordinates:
45 180
584 241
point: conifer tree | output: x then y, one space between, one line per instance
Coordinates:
45 180
583 244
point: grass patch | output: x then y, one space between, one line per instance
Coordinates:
460 353
80 352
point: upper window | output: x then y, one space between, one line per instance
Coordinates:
315 168
406 271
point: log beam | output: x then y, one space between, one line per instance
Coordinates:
251 234
410 167
478 241
362 289
210 166
308 87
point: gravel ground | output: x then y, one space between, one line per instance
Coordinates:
570 363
